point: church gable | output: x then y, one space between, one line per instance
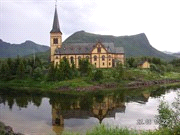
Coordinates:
99 48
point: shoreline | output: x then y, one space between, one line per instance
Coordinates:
7 130
95 87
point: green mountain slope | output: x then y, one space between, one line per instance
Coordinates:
136 45
23 49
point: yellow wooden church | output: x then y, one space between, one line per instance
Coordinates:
102 55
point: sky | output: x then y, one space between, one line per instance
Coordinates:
22 20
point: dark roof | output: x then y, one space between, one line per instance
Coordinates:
86 48
55 27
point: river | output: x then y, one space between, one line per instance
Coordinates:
37 113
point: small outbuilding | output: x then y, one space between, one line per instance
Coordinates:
144 65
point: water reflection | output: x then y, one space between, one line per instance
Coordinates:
98 105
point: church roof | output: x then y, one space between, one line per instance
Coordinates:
86 48
55 27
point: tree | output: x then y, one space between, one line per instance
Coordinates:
16 64
20 74
130 61
5 72
84 67
74 70
38 75
169 117
11 65
119 71
65 69
51 76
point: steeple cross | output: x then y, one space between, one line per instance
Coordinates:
56 3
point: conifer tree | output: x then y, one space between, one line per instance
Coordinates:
11 65
20 71
5 72
51 73
84 67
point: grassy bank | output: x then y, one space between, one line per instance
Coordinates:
131 75
103 130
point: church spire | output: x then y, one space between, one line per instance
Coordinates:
55 27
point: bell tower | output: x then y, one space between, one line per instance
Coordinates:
55 35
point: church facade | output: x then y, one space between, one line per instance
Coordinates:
101 55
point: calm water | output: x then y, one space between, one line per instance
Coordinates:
54 113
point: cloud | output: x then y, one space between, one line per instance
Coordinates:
31 19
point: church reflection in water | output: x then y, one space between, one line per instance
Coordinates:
69 109
99 107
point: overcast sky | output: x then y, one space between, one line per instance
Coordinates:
22 20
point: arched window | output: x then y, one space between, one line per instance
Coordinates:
55 41
79 59
103 58
87 57
72 59
95 58
56 57
109 57
64 58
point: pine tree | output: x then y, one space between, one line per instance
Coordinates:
20 71
84 67
51 73
16 64
5 73
119 72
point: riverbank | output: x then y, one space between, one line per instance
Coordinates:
133 79
103 130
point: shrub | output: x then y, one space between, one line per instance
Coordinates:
98 75
169 117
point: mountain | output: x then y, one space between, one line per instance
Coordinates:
176 54
136 45
23 49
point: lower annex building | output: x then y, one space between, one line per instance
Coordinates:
102 55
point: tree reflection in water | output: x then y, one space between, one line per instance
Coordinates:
98 104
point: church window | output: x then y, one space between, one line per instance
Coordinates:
99 49
64 58
103 63
56 57
79 57
103 58
55 41
95 58
87 57
109 57
95 64
72 59
109 63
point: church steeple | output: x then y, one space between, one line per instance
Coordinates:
55 27
55 35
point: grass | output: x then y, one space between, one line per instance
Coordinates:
129 75
103 130
43 85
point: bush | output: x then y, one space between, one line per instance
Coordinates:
169 117
98 75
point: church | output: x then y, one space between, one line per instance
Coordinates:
101 55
